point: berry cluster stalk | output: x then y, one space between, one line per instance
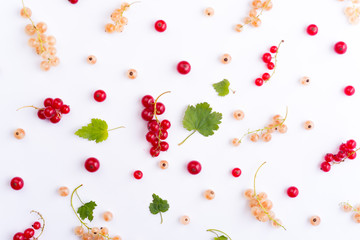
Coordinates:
42 225
157 120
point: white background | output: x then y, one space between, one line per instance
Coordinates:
51 156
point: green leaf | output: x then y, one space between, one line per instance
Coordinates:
201 119
86 211
222 87
222 237
96 131
158 205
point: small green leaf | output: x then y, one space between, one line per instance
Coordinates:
158 205
222 87
96 131
86 211
222 237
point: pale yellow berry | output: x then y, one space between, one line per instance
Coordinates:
308 125
45 65
247 20
256 4
209 11
91 59
55 61
356 217
253 13
185 220
30 30
239 27
52 51
266 137
315 220
51 40
253 203
209 194
346 207
254 137
95 231
104 231
41 27
235 142
249 194
262 196
277 223
26 12
19 133
263 217
349 11
109 28
123 20
239 115
267 204
256 22
305 81
283 128
108 216
79 230
267 5
132 73
116 238
32 42
256 211
63 191
119 28
163 164
226 58
87 236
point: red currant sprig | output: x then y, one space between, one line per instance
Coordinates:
29 233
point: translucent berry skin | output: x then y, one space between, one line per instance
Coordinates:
340 47
266 57
107 216
236 172
194 167
160 108
315 220
183 67
265 76
351 144
41 114
163 164
273 49
19 133
329 157
138 174
48 102
65 109
185 220
63 191
57 103
349 90
160 26
164 146
19 236
17 183
312 30
147 114
154 152
29 233
99 96
165 124
292 192
325 166
92 164
36 225
259 82
147 101
270 65
209 194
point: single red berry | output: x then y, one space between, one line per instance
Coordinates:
65 109
41 114
92 164
292 192
312 29
147 114
56 118
164 134
36 225
351 144
340 47
150 136
341 154
19 236
236 172
138 174
57 103
194 167
259 82
325 166
329 157
160 108
73 1
165 124
265 76
343 147
155 142
266 57
336 158
349 90
273 49
153 126
99 96
352 155
17 183
154 152
183 67
48 102
160 25
147 101
49 112
29 233
270 65
164 146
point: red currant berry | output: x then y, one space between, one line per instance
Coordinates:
183 67
65 109
155 142
341 154
266 57
92 164
164 134
351 144
49 112
147 101
36 225
325 166
17 183
352 155
153 126
194 167
154 152
343 147
259 82
56 118
265 76
138 174
99 96
165 124
150 136
270 65
312 29
57 103
273 49
160 108
164 146
236 172
73 1
160 26
292 192
340 47
329 157
41 114
147 114
19 236
336 158
349 90
48 102
29 233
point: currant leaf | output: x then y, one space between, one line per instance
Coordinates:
158 205
86 211
222 87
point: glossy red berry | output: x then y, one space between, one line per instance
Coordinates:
270 65
236 172
99 95
341 154
165 124
259 82
183 67
29 233
343 147
155 142
194 167
154 152
340 47
138 174
265 76
41 114
73 1
147 114
55 119
312 29
352 155
147 101
329 157
266 57
48 102
49 112
150 136
92 164
160 25
292 192
164 146
273 49
349 90
36 225
153 126
57 103
65 109
19 236
17 183
351 144
336 158
325 166
160 108
164 134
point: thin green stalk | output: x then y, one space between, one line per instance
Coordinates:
115 128
72 206
187 137
216 230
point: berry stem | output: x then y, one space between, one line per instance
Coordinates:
187 137
157 120
257 16
161 218
233 91
215 232
32 106
42 226
275 61
258 200
115 128
349 205
346 156
72 206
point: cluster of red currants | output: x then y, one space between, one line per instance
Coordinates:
157 130
28 233
53 110
346 151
